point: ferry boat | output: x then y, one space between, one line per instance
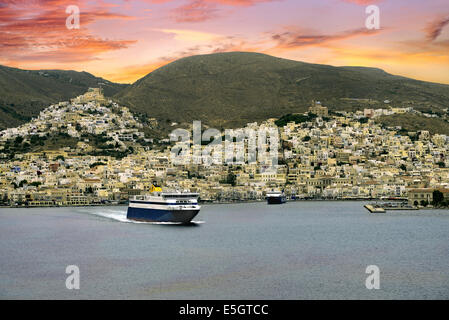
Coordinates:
158 206
276 197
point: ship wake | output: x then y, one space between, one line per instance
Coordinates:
120 215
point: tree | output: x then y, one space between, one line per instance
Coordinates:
297 118
35 183
5 198
23 182
363 120
97 163
18 140
34 139
403 167
231 179
438 197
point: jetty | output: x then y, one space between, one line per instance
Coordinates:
374 209
382 207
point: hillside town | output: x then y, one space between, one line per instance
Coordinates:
100 154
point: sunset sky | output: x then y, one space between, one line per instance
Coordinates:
124 40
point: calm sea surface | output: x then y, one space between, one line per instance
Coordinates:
300 250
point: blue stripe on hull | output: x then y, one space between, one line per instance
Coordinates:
158 215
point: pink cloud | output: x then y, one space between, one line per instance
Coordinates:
434 29
295 39
195 11
202 10
363 2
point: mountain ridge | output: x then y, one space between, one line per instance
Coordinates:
222 90
233 88
24 93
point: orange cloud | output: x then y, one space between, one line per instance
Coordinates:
84 48
132 73
420 63
36 30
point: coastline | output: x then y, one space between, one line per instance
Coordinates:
224 202
202 203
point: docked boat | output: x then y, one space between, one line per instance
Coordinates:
158 206
276 197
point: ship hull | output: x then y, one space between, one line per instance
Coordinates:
160 215
276 200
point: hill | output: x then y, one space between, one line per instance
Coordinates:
232 89
24 93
